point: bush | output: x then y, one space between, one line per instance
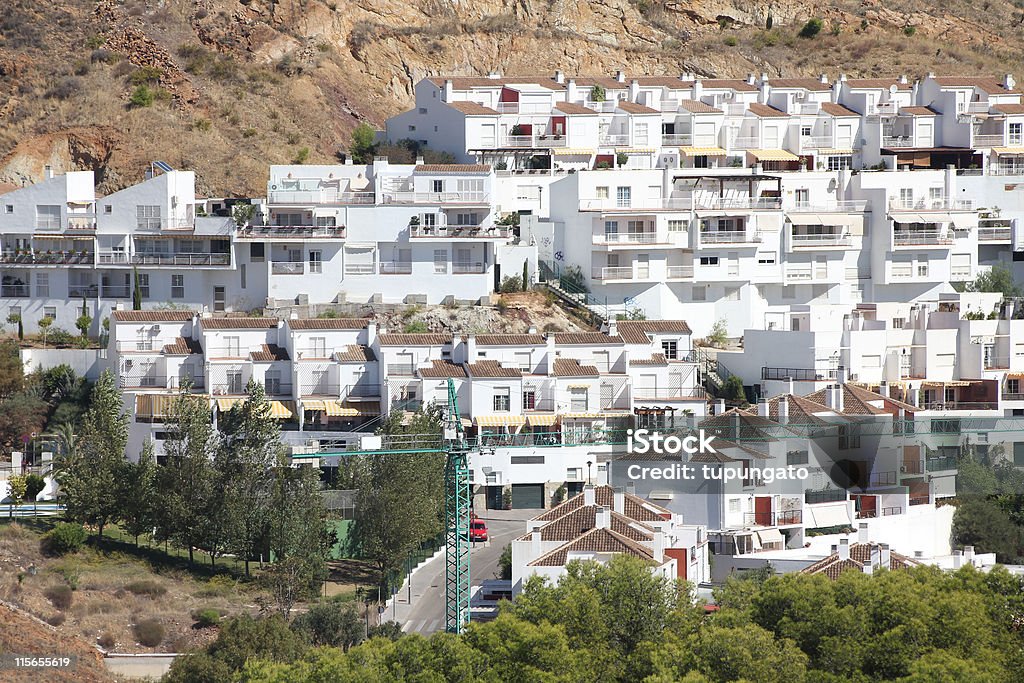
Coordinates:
730 41
65 88
249 132
811 28
60 596
511 283
145 587
146 75
909 31
330 623
719 334
205 618
415 327
391 630
63 539
106 640
202 125
149 632
101 55
56 619
301 155
142 96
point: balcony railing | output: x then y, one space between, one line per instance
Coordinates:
679 272
461 232
728 236
836 206
613 204
798 374
1013 396
360 269
677 139
288 267
939 464
669 393
468 197
181 259
14 290
157 224
143 382
401 369
901 271
294 231
523 108
745 142
932 204
469 268
715 203
79 291
1006 169
618 273
326 196
780 518
395 268
197 383
799 272
907 237
986 140
115 291
628 238
82 222
614 141
358 391
816 142
898 141
332 389
537 141
821 240
994 234
811 497
42 258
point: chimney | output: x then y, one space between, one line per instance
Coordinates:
559 77
834 550
532 330
602 518
448 91
494 75
751 79
783 409
719 406
736 425
824 78
830 397
419 160
931 74
862 532
549 356
634 90
613 328
1009 82
659 546
535 544
842 78
762 407
903 79
868 568
969 555
570 90
371 333
48 172
844 549
589 495
885 555
619 501
883 388
620 76
471 348
958 559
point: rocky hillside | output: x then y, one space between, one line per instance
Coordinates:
228 86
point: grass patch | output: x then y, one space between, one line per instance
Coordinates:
60 596
146 587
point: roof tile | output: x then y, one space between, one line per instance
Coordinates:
328 323
834 109
570 367
152 316
471 108
636 331
442 368
764 110
416 339
238 323
492 368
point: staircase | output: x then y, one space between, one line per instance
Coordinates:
713 373
575 296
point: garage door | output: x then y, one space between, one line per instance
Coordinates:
527 496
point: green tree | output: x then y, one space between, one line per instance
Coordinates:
15 319
44 324
733 389
985 525
34 485
84 320
136 291
12 370
998 278
142 96
526 276
17 485
812 28
185 482
331 623
240 639
88 473
400 500
597 93
362 145
137 483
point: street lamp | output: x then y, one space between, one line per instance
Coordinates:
589 464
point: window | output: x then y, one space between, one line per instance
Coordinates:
9 208
178 286
897 323
734 505
440 261
502 400
316 263
1016 134
523 360
796 458
840 162
623 196
469 219
50 312
802 196
147 217
766 259
578 399
676 226
849 437
326 221
412 129
640 137
906 197
144 285
43 284
670 347
529 398
922 265
422 110
257 253
437 185
234 347
699 293
234 383
272 382
709 260
1018 454
318 347
601 192
241 275
143 342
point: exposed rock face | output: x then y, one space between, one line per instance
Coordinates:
275 76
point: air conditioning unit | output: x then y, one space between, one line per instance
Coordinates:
903 469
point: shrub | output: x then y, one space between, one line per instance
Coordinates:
65 88
142 96
391 630
60 596
249 132
205 618
719 334
909 31
93 42
301 155
64 538
597 94
730 41
812 28
106 640
149 632
56 619
146 75
81 68
202 125
511 283
101 55
145 587
415 326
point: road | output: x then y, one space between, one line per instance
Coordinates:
426 614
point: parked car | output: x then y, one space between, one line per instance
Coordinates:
477 530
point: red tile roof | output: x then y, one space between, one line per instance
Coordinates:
812 84
471 108
918 111
635 507
594 541
268 352
634 108
729 83
606 82
1009 108
584 518
592 338
698 107
417 339
328 323
474 82
570 367
152 316
355 354
453 168
492 368
879 83
510 340
238 323
637 331
571 108
860 554
834 109
442 368
670 82
183 346
764 110
986 84
655 359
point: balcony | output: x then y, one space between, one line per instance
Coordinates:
394 268
901 271
812 497
523 107
14 290
79 291
196 383
679 273
161 224
538 141
669 394
677 140
1013 396
728 237
798 374
898 141
902 238
614 141
833 206
115 291
362 391
827 239
994 233
816 142
986 140
75 222
745 142
143 382
25 257
619 273
293 231
329 389
1006 169
639 205
321 196
756 203
941 464
460 231
931 204
288 267
181 259
798 273
401 369
360 269
228 388
630 238
469 268
468 197
779 518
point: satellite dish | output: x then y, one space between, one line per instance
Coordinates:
893 89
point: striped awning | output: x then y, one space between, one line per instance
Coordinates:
702 151
154 405
573 152
838 151
773 155
595 416
578 386
950 383
313 405
500 420
224 404
1008 151
1015 375
636 150
541 420
344 409
282 410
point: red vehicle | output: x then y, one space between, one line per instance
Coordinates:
477 530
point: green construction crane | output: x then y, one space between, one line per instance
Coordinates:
456 517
